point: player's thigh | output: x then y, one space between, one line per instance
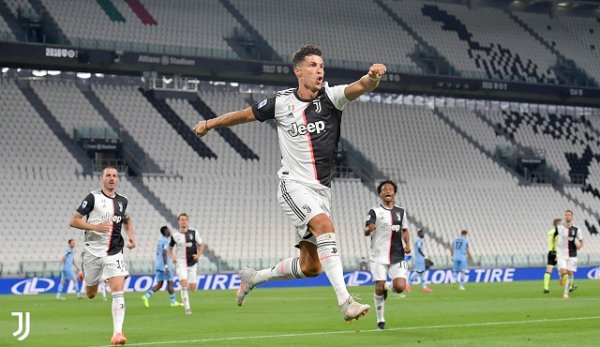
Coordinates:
378 271
92 269
561 263
182 272
192 276
398 270
301 204
114 266
572 264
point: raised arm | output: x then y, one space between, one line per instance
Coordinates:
225 120
366 83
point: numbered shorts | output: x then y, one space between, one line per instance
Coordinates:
188 273
96 269
301 203
567 263
380 272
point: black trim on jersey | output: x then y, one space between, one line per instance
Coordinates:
396 242
372 217
88 201
288 199
324 144
192 249
264 109
116 242
572 240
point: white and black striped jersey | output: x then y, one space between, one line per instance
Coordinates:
185 245
308 131
387 246
98 207
566 241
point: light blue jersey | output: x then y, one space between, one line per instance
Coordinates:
461 245
162 244
66 273
419 255
68 264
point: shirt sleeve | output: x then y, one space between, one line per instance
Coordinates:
172 242
337 95
87 205
264 109
579 236
197 237
371 217
404 221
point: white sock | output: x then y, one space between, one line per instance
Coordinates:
286 269
185 298
118 311
379 307
423 283
567 284
103 289
329 256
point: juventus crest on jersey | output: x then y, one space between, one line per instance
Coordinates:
308 131
387 246
99 207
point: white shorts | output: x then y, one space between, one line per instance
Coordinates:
570 264
301 203
380 271
96 269
188 273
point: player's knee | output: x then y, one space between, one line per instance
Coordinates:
399 288
312 270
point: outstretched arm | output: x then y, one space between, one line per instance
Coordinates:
366 83
225 120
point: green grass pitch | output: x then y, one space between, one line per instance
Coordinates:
497 314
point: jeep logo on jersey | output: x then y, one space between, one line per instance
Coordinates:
301 129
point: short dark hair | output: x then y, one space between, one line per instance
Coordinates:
106 168
163 229
556 221
464 232
182 214
380 186
305 51
570 211
69 242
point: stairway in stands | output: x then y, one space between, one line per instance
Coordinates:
179 125
76 151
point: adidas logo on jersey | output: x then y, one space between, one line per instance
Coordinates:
301 129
